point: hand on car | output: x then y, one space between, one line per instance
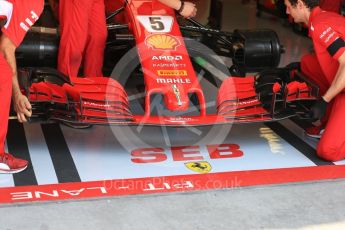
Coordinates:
318 110
22 107
189 10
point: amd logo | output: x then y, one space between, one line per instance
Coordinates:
167 58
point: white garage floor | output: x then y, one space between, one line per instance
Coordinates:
304 205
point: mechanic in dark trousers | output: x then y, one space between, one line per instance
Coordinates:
327 68
17 17
83 37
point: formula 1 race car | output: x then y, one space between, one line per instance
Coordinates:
167 65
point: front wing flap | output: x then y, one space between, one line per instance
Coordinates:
104 101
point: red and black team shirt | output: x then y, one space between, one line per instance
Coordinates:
327 31
20 16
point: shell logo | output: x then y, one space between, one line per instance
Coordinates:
163 42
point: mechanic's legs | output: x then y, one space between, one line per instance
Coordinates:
311 68
332 143
97 36
74 17
5 95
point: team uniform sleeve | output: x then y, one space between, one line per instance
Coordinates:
331 39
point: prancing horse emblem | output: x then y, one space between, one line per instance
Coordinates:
199 166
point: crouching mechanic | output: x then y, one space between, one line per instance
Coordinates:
17 17
327 68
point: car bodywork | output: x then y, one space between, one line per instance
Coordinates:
168 71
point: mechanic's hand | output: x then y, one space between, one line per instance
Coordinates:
189 10
22 107
318 110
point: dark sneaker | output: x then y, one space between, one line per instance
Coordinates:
315 131
10 164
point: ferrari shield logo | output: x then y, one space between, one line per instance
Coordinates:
199 167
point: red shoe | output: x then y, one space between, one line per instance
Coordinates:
315 131
10 164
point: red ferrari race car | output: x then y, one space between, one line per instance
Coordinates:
162 57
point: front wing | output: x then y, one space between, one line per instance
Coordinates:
85 101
